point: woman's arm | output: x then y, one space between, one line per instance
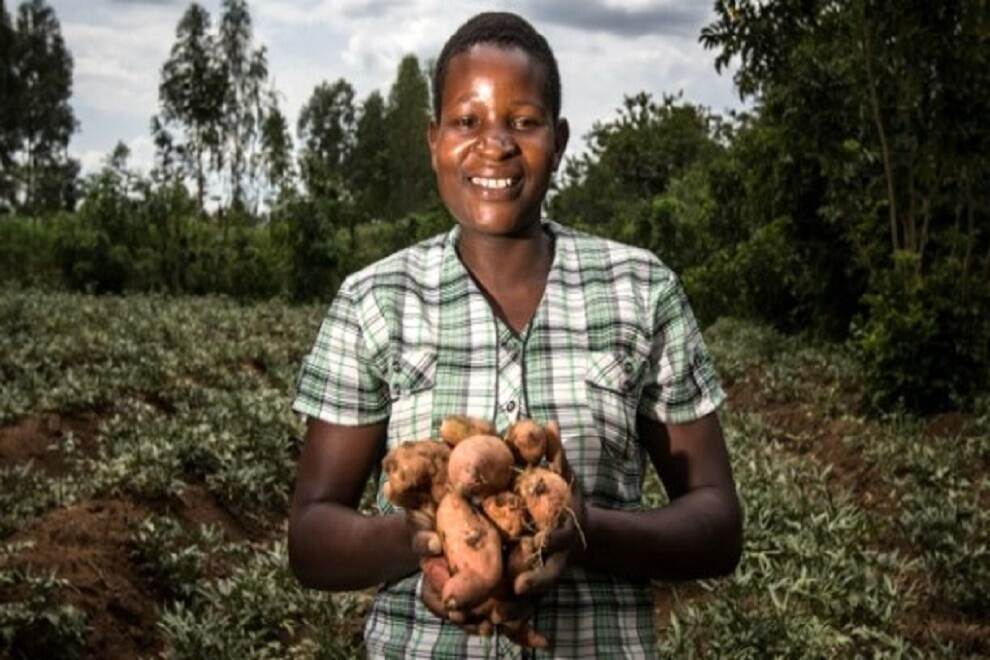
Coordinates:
331 545
697 535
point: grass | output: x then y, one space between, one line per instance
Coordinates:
864 537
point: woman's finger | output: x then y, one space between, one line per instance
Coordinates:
426 544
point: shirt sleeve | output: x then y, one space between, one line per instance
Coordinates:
681 382
338 382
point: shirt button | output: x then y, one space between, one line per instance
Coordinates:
627 366
396 365
510 406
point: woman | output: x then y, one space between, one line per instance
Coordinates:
511 316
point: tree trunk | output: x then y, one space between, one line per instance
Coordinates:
971 233
878 122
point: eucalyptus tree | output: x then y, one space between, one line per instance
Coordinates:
368 163
410 180
39 121
276 148
192 93
243 102
8 107
326 133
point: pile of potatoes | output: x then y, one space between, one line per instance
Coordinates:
492 503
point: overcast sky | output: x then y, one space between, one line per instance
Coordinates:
605 48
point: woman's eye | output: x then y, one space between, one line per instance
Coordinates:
465 122
523 123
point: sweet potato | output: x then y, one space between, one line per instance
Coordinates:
528 441
508 511
555 448
473 550
435 571
417 473
461 427
547 498
480 466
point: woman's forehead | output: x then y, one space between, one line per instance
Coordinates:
484 67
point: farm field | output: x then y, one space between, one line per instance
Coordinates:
147 452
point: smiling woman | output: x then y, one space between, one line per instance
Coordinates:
512 316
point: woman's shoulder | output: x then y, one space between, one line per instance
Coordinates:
411 268
598 253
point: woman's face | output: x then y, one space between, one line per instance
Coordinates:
496 145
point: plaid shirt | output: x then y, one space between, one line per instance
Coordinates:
412 339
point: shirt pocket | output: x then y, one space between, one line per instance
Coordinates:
612 385
412 377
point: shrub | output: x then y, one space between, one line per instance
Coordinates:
925 345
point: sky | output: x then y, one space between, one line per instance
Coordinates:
605 49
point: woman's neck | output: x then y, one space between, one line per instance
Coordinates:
505 263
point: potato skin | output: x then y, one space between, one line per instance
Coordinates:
480 466
508 511
473 550
456 428
528 441
417 473
546 494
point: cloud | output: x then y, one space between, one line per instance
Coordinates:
146 2
628 18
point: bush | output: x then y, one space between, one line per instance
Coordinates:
925 344
27 253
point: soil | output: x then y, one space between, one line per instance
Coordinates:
88 545
40 439
800 430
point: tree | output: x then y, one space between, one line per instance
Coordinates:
410 176
9 93
368 163
42 78
246 71
192 91
634 157
326 132
276 148
877 110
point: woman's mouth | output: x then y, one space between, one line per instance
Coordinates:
495 183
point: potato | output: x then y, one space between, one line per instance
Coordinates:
460 427
480 466
417 473
528 441
435 571
473 550
547 498
508 511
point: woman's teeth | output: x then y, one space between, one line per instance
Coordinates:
491 183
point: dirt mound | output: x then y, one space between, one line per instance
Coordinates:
87 544
41 439
197 506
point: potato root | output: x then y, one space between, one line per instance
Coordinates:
455 428
508 511
480 466
528 441
417 473
473 550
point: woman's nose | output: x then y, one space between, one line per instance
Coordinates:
496 142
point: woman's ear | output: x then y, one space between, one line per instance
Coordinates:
431 138
562 131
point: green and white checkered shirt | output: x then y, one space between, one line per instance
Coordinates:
412 339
